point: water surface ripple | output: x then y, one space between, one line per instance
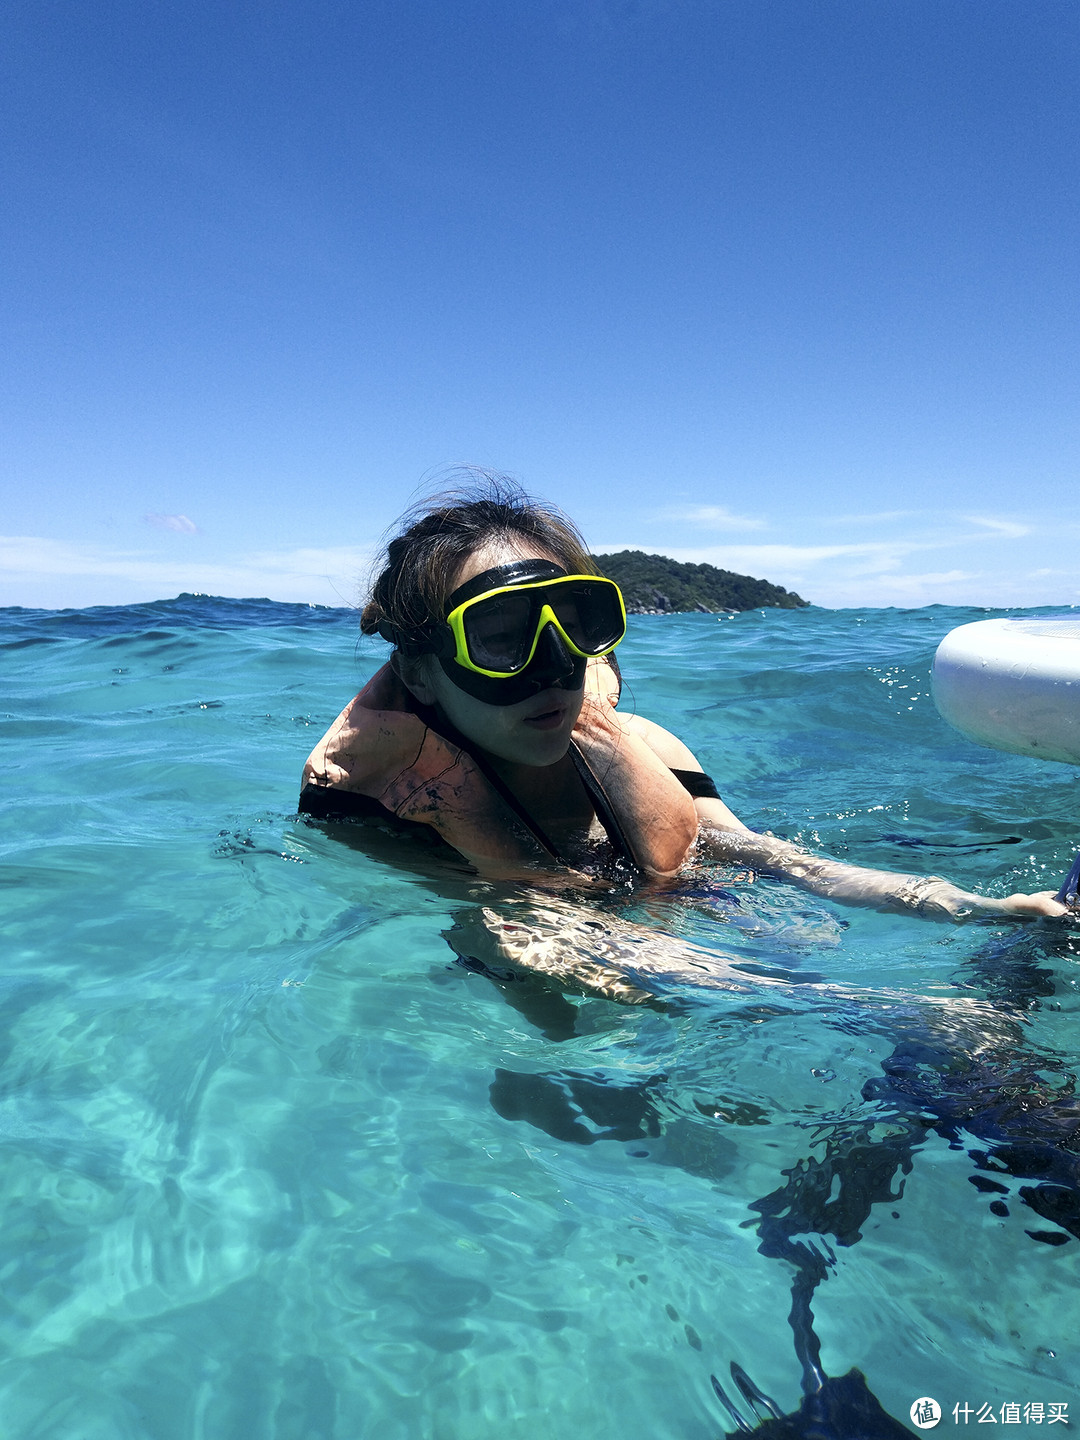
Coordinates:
276 1166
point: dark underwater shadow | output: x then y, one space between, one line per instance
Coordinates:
1012 1108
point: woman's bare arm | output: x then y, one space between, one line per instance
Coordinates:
592 951
677 756
605 955
725 838
927 895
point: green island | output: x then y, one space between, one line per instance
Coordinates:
657 585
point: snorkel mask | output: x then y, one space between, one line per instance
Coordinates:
521 628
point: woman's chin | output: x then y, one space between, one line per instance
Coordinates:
543 742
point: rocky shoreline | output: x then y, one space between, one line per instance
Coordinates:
663 606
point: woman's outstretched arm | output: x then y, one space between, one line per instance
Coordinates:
927 895
723 837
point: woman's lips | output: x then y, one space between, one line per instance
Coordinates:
547 719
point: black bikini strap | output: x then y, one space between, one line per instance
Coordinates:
497 783
697 784
495 780
605 811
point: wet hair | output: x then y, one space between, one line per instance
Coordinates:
436 536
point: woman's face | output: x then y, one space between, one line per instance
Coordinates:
534 731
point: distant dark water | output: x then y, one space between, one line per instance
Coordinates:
276 1166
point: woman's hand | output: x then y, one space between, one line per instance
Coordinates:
1043 902
927 895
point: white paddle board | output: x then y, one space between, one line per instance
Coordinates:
1014 684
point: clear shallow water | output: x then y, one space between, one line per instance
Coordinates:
274 1165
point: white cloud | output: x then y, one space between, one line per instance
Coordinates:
992 525
868 558
56 574
179 524
712 517
876 556
933 587
900 571
1007 529
882 517
944 559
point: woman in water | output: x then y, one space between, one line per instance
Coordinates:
495 725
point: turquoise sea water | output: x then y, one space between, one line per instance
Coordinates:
274 1165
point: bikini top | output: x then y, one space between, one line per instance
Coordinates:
385 753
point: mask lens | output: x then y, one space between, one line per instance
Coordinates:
499 632
589 613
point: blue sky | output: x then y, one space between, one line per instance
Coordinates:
785 285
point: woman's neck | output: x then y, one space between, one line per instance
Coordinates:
552 795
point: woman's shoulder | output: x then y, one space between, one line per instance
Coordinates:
682 761
668 747
377 730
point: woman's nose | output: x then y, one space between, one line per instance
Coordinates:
551 655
